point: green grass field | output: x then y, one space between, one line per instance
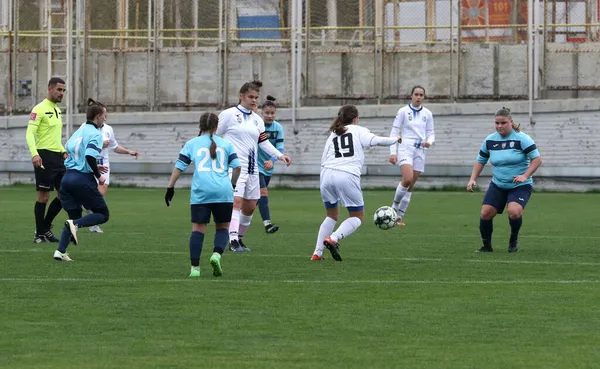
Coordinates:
416 297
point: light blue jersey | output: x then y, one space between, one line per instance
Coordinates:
510 156
86 141
211 182
274 132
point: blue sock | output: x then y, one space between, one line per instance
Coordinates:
486 227
89 220
263 207
515 225
221 239
196 240
65 238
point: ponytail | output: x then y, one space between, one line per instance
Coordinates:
213 147
208 124
346 116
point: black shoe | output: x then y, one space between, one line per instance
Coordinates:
485 249
50 236
334 249
40 238
270 228
234 246
513 245
244 248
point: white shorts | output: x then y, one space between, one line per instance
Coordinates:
247 187
408 154
338 185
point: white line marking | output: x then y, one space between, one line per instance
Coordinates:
302 281
307 257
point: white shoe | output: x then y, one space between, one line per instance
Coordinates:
61 257
96 229
73 229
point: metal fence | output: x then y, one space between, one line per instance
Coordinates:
182 54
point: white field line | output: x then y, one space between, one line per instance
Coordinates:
307 257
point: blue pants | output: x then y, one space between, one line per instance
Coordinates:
499 197
79 189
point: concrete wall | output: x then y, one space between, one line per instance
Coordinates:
567 133
478 71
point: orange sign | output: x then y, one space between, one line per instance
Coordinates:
473 13
499 11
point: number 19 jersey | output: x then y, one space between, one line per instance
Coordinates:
210 183
346 151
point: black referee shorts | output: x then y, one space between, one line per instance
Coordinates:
49 177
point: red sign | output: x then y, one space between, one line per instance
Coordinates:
499 11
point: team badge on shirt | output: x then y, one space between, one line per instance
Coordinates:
424 118
511 144
239 118
409 116
32 116
503 144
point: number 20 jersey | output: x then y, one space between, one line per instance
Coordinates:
210 183
346 151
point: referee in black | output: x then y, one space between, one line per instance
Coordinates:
44 139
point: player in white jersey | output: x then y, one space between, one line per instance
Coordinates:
109 144
341 164
415 124
245 129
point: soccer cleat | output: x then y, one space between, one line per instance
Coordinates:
485 249
195 272
50 237
215 262
316 257
61 256
40 238
513 245
244 247
270 228
73 230
96 229
333 247
234 245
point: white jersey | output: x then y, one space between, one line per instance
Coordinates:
415 126
244 129
107 134
346 151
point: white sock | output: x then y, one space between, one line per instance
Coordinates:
346 228
399 195
266 222
325 230
404 205
245 221
234 225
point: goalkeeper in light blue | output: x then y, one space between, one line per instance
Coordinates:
212 189
514 158
274 132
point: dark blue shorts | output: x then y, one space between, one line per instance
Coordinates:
498 197
80 189
264 180
221 212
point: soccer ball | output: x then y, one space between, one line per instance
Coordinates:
385 217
